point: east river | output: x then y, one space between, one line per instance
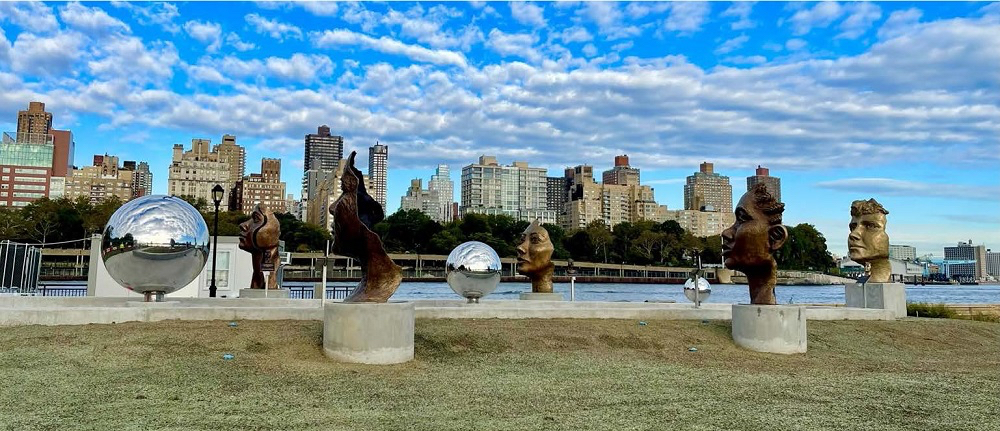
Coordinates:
732 293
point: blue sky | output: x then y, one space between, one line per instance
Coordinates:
899 101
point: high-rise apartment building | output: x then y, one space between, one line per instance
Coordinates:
622 174
378 166
902 252
62 152
234 155
34 123
34 160
557 189
965 252
196 171
706 190
773 184
416 198
993 263
25 168
265 188
443 189
101 181
612 204
518 190
142 180
326 148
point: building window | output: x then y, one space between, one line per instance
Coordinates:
221 271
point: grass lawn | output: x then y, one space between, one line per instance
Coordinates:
500 375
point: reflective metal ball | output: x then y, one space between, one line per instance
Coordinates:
473 270
704 290
155 245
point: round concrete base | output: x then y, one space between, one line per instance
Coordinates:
264 293
532 296
368 333
770 328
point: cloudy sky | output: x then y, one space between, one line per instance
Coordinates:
898 101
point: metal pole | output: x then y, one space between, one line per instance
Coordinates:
697 300
326 262
572 288
215 251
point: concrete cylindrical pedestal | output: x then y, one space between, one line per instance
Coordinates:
532 296
368 333
264 293
887 296
770 328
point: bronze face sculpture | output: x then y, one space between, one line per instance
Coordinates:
534 257
868 244
749 244
354 214
259 236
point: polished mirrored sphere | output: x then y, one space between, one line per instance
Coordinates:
473 270
704 290
155 244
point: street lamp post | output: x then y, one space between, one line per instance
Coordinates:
217 193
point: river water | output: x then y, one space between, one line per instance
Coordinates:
733 293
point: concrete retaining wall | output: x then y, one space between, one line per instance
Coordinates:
79 311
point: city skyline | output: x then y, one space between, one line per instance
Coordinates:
838 100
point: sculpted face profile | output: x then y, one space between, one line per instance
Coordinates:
354 214
259 235
534 257
868 244
749 244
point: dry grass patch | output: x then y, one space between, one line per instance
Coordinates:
502 374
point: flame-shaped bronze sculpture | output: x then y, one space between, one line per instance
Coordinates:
260 235
868 244
354 214
534 257
749 244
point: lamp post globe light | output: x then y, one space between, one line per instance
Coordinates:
217 193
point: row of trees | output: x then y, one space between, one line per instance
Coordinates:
642 243
410 231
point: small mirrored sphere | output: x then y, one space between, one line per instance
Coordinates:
473 270
155 244
704 290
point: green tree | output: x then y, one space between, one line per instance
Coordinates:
407 231
198 203
11 224
580 246
647 243
805 249
557 235
600 237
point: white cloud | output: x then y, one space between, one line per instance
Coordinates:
92 21
609 20
129 59
741 59
821 15
895 187
528 14
154 13
233 40
732 44
636 10
795 44
427 28
340 37
4 47
320 8
574 34
590 50
300 67
32 16
899 22
860 18
687 16
209 33
740 11
46 55
272 27
356 13
514 45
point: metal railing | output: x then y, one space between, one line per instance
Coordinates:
306 292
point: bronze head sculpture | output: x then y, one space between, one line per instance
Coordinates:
534 257
354 214
749 244
260 235
868 244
